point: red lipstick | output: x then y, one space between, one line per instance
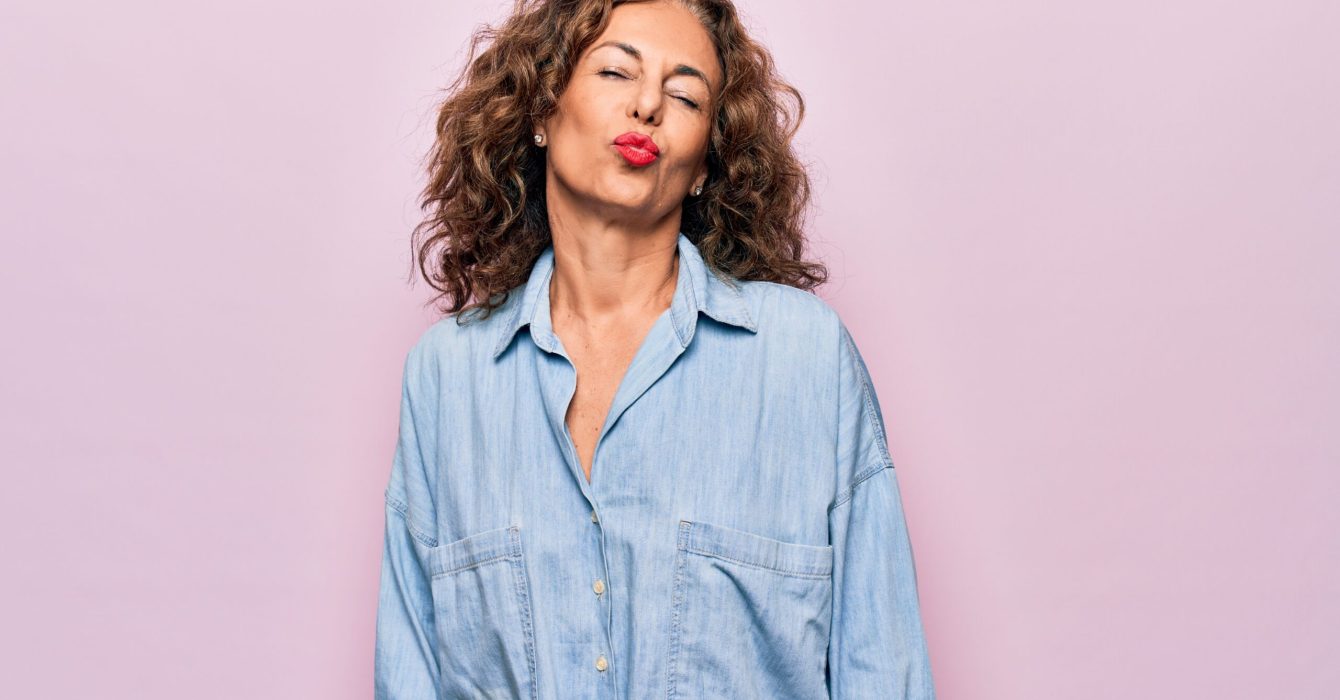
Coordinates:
637 149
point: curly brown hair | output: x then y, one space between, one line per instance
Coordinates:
486 219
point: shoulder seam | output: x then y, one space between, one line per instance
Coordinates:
850 491
870 410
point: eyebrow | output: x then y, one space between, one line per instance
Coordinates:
679 69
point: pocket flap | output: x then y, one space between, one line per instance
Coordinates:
756 550
477 549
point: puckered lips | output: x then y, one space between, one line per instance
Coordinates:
637 149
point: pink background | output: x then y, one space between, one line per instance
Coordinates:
1090 252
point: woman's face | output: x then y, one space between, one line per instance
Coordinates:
654 72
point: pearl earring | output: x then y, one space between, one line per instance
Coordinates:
539 139
697 190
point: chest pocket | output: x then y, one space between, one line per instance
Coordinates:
482 614
748 607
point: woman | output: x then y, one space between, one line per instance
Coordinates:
638 458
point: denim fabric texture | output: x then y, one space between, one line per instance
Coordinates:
742 534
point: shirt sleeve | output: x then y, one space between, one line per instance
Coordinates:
877 645
405 658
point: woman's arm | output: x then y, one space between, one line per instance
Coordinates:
405 666
877 645
405 661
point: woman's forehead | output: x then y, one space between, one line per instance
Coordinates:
663 29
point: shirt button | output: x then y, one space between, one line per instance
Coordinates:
599 586
593 516
601 663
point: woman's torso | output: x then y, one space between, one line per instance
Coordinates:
693 560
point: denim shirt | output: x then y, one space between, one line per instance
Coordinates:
741 535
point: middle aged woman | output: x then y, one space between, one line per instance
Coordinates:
637 458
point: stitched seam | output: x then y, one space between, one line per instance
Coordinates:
471 565
402 508
735 289
865 395
510 327
693 308
523 596
677 599
798 573
851 490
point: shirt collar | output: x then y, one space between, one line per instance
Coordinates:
698 288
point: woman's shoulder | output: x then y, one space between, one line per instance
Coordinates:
444 337
459 341
790 309
789 313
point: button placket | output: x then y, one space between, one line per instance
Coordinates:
601 663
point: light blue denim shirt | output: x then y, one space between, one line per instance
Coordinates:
741 536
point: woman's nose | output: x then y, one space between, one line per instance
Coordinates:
648 102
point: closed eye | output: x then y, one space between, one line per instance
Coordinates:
685 100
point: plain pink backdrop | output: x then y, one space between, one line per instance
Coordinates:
1090 251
